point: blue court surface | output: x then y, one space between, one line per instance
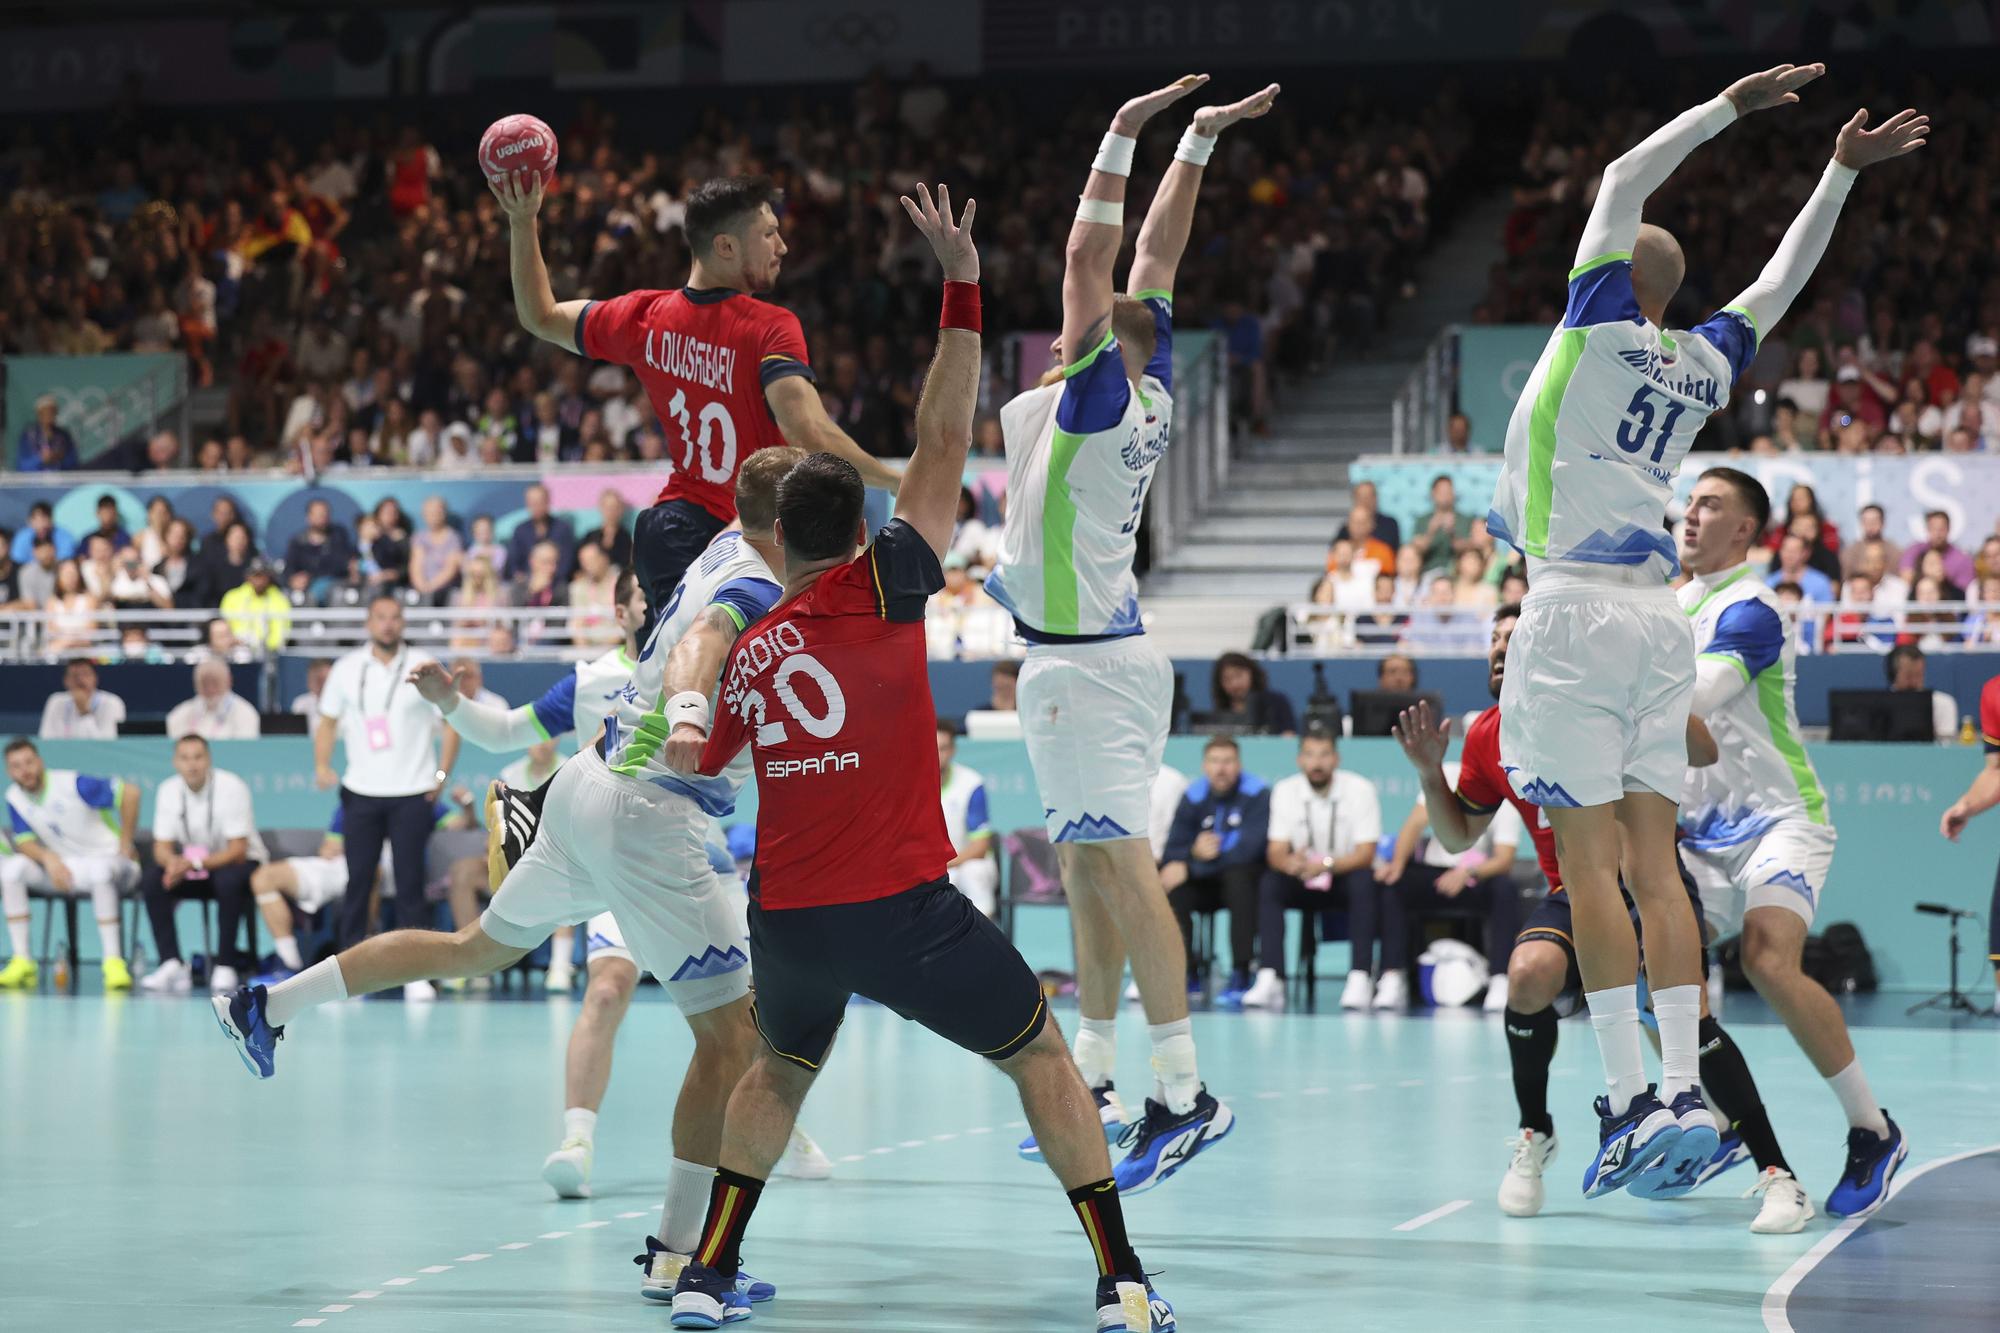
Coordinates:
387 1182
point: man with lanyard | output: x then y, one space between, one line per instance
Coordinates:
389 789
205 846
725 372
74 833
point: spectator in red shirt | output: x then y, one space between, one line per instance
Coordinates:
1852 400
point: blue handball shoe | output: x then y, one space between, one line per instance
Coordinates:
242 1019
1655 1182
1162 1143
704 1298
1629 1143
1872 1160
1125 1306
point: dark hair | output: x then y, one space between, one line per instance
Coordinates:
41 507
1259 682
1750 491
720 205
1937 513
1787 585
622 590
1383 665
819 504
1877 508
947 727
1222 743
1008 666
193 736
19 743
80 661
107 499
380 597
1442 476
1901 653
1507 611
1318 733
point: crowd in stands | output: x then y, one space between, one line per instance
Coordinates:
1894 345
351 292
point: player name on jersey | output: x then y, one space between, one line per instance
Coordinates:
1703 389
691 359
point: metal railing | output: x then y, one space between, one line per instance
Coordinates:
1421 407
1197 464
1315 629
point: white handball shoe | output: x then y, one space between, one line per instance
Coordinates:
1358 991
1786 1208
169 978
1521 1190
222 980
803 1159
1496 994
567 1169
1267 992
420 991
1392 992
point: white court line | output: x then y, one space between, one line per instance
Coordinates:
943 1138
552 1235
580 1226
911 1143
517 1245
1776 1320
983 1129
880 1152
625 1217
399 1282
364 1295
308 1323
1433 1215
853 1157
436 1268
471 1258
335 1309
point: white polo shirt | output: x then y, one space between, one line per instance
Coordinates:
209 818
63 720
1504 827
1348 814
230 718
390 733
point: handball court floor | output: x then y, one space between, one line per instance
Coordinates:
387 1181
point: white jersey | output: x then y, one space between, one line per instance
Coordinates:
581 700
1601 428
1763 776
730 574
74 815
964 796
1080 457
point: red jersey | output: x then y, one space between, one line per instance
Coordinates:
704 358
1482 785
1989 715
832 692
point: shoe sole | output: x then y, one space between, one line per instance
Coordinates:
1201 1146
1642 1157
1793 1230
1888 1180
567 1178
1644 1187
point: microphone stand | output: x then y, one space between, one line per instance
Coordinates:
1953 1000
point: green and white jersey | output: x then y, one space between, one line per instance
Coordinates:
1607 416
730 574
1746 676
1080 457
74 814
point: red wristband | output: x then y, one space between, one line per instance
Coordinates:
961 306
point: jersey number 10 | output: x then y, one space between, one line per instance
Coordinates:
715 422
1638 426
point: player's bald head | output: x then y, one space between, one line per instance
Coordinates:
1657 269
757 486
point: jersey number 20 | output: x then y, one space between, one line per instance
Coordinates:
821 727
718 467
1634 431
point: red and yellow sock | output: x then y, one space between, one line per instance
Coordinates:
1097 1207
731 1200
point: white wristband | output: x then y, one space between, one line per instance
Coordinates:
1109 211
689 706
1114 155
1194 148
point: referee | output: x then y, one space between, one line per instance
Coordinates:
389 790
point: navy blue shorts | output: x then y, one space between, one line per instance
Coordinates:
1550 920
666 539
926 953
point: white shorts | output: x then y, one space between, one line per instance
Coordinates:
608 843
1786 867
978 880
1595 699
1095 717
87 873
603 939
322 880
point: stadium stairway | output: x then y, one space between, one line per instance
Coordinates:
1261 541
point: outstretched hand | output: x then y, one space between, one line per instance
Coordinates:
1135 113
950 241
1858 147
1213 120
519 193
438 687
1777 86
1423 737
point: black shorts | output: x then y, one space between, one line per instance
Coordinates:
1550 920
666 539
926 953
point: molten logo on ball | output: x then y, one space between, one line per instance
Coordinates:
518 143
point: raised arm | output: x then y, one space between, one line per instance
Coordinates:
1627 182
1424 740
535 304
928 500
1099 230
499 730
1765 301
1164 237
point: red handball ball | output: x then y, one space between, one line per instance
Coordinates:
518 143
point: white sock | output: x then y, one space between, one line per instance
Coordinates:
1614 1013
17 936
287 949
1858 1099
1175 1082
1678 1009
688 1185
107 937
1095 1049
319 984
580 1122
104 900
